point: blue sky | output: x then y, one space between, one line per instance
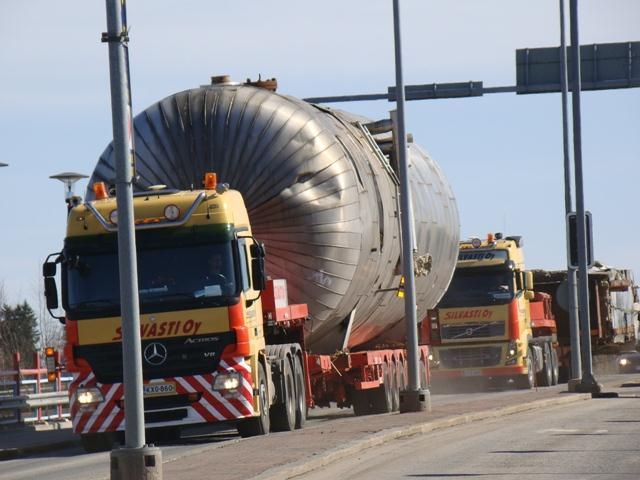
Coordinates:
501 153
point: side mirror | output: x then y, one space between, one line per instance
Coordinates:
528 280
257 272
257 250
51 292
49 269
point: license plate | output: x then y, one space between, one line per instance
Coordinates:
159 389
471 373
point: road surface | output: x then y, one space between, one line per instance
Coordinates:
598 440
333 425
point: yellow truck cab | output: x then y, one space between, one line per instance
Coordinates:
200 277
482 327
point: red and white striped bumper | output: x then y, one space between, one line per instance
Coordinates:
211 407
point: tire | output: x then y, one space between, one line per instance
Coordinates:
97 442
555 368
545 376
361 402
527 381
395 386
259 425
301 394
283 413
424 380
382 397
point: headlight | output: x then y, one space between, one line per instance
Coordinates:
89 397
431 357
512 353
624 362
227 381
171 212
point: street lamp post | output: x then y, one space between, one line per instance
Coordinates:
136 460
572 303
413 398
588 382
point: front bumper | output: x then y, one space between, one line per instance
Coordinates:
494 372
205 406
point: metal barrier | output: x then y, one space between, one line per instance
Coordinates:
27 395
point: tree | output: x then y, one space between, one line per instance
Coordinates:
18 332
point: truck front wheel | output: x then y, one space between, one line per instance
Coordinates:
527 381
555 367
259 425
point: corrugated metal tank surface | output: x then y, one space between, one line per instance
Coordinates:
319 195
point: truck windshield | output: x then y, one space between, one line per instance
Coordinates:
168 278
476 287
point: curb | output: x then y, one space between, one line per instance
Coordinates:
307 465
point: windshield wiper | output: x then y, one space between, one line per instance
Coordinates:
167 297
104 302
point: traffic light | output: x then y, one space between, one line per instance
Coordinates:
52 363
572 238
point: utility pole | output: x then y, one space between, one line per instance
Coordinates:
413 399
588 383
572 291
136 460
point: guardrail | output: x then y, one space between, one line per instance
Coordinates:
27 395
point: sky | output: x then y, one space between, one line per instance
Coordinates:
501 153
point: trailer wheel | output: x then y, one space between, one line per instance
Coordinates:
301 394
259 425
400 375
361 402
382 397
395 385
424 380
545 376
527 381
283 413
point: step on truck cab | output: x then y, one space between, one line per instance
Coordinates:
491 327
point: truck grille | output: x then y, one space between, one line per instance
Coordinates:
184 356
470 357
472 330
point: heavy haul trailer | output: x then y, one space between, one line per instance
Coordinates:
316 190
491 327
613 313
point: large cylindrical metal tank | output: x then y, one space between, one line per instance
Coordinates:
320 195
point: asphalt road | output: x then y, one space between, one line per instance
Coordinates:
74 464
598 440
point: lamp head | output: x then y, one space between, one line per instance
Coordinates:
68 178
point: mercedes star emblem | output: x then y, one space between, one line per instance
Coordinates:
155 353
